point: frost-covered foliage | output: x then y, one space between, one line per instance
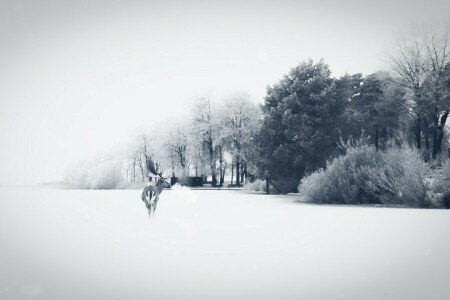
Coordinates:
343 180
363 175
445 180
399 178
106 174
438 183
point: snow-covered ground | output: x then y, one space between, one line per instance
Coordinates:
216 245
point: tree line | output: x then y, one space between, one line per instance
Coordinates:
308 113
304 119
214 140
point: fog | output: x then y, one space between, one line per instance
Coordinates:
80 77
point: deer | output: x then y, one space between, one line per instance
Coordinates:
150 194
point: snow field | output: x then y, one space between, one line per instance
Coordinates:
69 244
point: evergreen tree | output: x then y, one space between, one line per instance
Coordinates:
378 108
301 114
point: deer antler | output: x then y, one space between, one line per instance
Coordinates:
151 166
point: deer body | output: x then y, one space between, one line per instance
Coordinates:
150 195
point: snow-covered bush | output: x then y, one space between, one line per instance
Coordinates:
343 180
99 174
105 175
438 183
395 176
446 184
399 178
445 181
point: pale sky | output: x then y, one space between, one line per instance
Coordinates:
78 78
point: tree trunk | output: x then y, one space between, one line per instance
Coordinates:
221 171
212 162
172 165
435 133
141 167
245 172
435 138
242 172
427 136
440 132
418 134
213 178
376 137
237 171
222 175
232 172
220 167
143 175
427 140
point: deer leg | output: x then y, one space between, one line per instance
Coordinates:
156 202
149 212
149 208
152 210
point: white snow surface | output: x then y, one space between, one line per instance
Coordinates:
69 244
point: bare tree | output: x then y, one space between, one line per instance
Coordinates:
131 168
240 122
177 145
419 64
438 54
138 156
205 126
409 64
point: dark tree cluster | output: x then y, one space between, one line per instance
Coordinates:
307 114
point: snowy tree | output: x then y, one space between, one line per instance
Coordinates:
240 122
419 64
378 108
302 114
177 145
205 129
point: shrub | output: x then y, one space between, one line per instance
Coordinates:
106 175
445 180
343 180
400 178
438 183
395 176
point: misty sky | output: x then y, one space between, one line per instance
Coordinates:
79 78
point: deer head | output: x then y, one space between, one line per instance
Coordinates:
162 181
